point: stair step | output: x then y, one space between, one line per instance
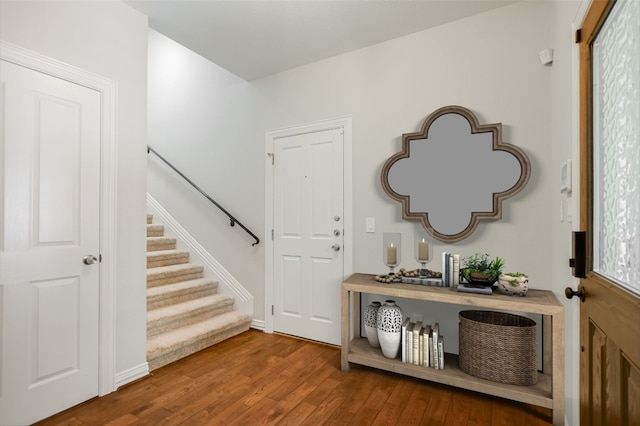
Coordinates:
178 315
164 295
173 345
160 243
185 312
154 230
166 258
173 273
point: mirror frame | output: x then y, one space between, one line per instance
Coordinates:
498 145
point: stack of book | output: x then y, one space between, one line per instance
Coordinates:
422 344
450 269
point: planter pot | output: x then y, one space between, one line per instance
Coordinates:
370 323
389 324
477 278
513 286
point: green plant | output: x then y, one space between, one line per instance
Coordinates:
481 264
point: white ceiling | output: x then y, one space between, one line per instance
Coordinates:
256 38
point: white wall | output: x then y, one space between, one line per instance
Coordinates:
109 39
488 63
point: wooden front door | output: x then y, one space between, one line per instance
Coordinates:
49 243
610 214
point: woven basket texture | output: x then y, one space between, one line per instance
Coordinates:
498 346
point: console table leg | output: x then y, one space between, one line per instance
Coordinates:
345 337
557 378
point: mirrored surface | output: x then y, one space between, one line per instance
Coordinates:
453 173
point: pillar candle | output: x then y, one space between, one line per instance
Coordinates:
392 255
423 251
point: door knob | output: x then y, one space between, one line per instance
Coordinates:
569 293
336 247
89 259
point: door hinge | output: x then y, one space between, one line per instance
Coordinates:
272 235
272 310
578 36
100 258
273 157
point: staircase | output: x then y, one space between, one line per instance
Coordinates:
185 312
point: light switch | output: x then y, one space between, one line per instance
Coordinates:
565 177
371 224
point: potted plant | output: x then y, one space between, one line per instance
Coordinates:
479 269
513 283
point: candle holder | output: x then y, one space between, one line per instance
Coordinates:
391 249
423 252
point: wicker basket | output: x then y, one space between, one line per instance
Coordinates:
499 347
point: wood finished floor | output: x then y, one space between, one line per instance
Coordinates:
269 379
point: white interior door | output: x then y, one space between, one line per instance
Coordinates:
308 234
49 195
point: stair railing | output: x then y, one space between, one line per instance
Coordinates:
233 220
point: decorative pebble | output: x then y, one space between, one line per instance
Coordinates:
397 277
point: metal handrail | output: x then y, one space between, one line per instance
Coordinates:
233 220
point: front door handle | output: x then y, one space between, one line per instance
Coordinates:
569 293
89 259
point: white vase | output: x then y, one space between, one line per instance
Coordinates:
370 323
389 324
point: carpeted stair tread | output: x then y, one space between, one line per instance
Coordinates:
160 243
179 292
166 257
163 319
154 230
173 273
183 341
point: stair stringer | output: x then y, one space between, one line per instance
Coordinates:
227 284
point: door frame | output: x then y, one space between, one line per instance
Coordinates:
344 123
108 191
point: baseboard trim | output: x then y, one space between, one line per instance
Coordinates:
132 374
258 324
227 284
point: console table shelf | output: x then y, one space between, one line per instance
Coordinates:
548 392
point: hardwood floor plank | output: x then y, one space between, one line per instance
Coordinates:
298 414
480 412
269 379
459 409
438 403
359 386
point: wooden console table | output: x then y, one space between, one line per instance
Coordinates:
547 392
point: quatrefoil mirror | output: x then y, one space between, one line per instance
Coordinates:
454 173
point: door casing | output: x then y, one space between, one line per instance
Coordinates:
108 94
344 123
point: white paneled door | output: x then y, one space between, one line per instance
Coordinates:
308 265
49 242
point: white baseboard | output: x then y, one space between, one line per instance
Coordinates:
132 374
258 324
227 284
